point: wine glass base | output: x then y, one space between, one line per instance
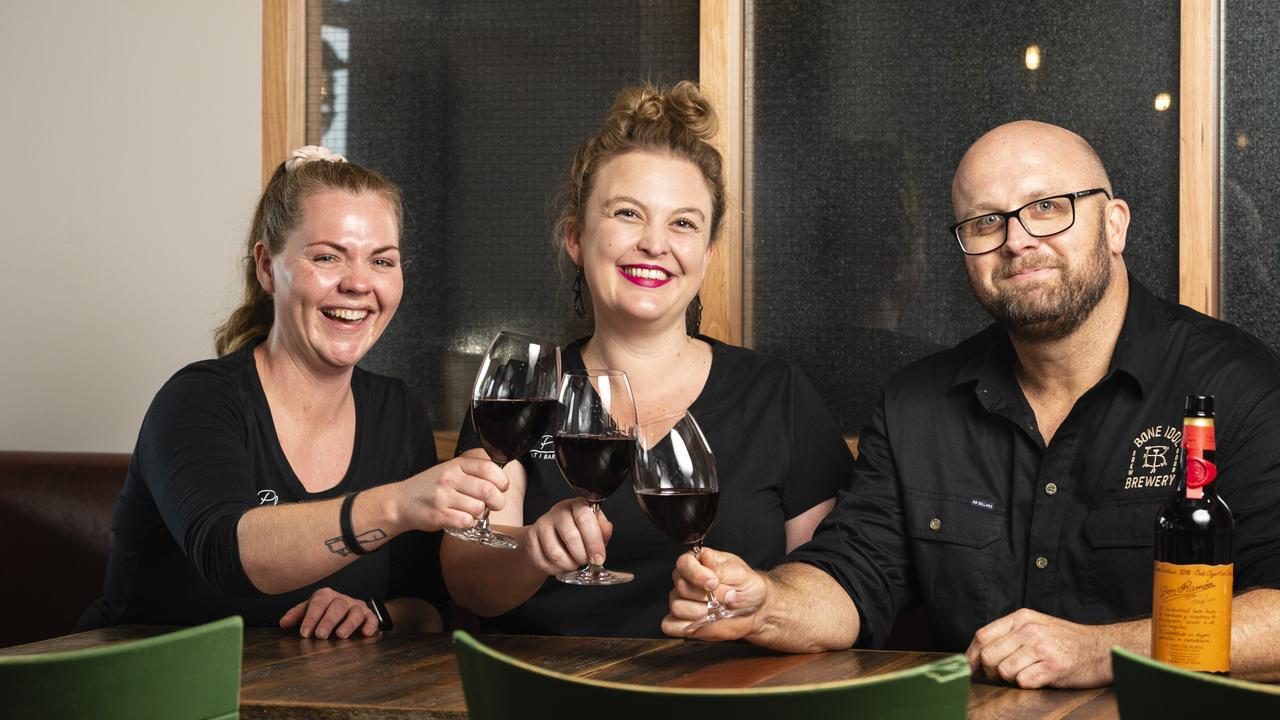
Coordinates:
595 575
717 615
484 536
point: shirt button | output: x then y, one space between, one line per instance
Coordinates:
1050 489
1042 562
935 524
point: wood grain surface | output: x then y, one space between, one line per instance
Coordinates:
401 675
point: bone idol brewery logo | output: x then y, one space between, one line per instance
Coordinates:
1153 458
546 449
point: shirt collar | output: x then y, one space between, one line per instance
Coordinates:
993 355
1137 352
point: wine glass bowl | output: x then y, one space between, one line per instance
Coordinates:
512 402
676 484
595 434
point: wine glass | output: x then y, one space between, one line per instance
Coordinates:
512 403
675 482
595 441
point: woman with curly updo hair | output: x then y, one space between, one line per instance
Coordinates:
642 209
279 481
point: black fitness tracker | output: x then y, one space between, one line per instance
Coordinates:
380 610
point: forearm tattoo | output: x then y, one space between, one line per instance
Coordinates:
337 547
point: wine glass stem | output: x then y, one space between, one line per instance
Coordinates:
483 523
592 567
713 605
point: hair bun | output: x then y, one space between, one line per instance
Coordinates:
681 108
311 153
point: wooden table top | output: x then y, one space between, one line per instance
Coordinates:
401 675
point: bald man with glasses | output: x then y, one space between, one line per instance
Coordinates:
1010 484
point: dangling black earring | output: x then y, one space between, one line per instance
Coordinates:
693 316
578 308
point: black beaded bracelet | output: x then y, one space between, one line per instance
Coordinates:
344 522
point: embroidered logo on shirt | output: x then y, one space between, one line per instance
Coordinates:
1151 461
268 497
546 449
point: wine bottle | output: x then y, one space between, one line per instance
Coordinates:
1191 590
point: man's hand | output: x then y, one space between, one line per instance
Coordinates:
1031 650
732 580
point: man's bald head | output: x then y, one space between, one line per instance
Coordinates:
1038 157
1042 287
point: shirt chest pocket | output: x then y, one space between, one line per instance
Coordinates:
941 518
1123 524
1114 566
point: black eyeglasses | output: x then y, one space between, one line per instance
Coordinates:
1040 218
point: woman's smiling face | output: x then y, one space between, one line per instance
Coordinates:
644 243
337 282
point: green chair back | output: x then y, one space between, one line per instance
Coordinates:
187 674
499 686
1146 688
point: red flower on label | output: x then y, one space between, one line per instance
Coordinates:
1200 472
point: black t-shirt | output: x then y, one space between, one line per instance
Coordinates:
778 453
957 504
207 453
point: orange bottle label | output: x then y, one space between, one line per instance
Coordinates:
1191 616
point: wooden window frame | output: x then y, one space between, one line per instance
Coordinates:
721 69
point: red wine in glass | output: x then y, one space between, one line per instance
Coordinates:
595 465
595 441
676 484
512 403
684 515
509 428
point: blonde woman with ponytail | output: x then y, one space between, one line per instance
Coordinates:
641 212
279 481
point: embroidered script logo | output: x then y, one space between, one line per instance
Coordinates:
545 450
1186 589
268 497
1152 460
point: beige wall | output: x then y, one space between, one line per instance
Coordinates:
129 167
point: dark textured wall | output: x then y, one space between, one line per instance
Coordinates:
858 113
475 108
1251 168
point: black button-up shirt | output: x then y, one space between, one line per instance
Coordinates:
957 504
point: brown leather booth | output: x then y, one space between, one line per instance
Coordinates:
55 522
55 526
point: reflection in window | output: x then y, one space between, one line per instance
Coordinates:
1250 165
857 113
333 93
474 108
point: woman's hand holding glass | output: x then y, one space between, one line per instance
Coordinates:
595 442
568 536
512 401
452 494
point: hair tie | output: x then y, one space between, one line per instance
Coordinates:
310 153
